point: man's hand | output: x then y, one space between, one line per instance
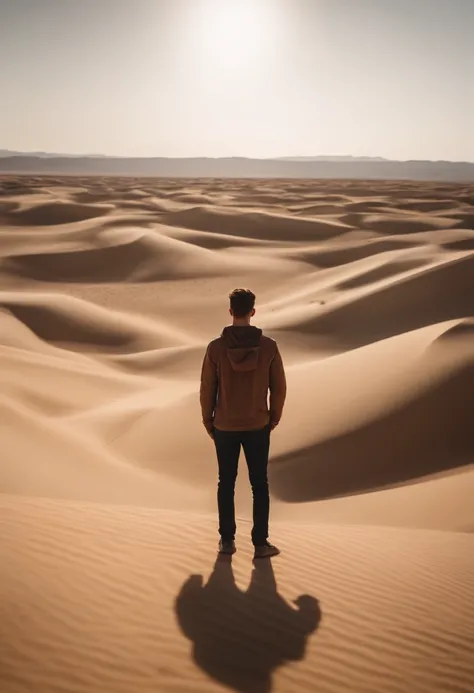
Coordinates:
273 425
210 432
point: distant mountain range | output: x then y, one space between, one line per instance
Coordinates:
50 155
330 158
235 167
4 153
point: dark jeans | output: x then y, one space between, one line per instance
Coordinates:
256 445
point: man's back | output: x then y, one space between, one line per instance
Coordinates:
240 368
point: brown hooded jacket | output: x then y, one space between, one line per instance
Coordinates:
239 369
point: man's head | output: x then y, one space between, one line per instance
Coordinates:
242 304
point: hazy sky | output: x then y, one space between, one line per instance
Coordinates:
259 78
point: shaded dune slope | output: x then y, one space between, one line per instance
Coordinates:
438 293
402 445
148 257
53 213
70 321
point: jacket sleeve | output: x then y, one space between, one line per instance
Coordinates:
208 391
277 387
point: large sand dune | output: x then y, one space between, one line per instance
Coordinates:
109 291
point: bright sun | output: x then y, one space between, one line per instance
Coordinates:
233 33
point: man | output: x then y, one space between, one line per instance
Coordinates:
240 368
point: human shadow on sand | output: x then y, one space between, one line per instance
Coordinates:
240 637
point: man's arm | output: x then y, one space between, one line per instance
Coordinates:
208 392
277 389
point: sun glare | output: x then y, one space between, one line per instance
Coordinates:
233 33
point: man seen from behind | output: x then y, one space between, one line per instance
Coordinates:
240 369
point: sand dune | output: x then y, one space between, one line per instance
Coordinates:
334 255
256 224
53 213
390 306
146 257
397 223
109 291
67 321
393 438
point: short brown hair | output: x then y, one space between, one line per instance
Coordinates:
242 302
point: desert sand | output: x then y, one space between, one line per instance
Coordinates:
110 289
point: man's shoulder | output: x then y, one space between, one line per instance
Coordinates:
215 340
214 344
267 340
268 343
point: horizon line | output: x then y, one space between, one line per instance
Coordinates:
299 158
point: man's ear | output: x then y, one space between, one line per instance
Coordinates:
253 312
230 311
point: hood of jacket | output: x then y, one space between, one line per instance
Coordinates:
243 346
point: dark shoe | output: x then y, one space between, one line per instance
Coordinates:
266 550
227 547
